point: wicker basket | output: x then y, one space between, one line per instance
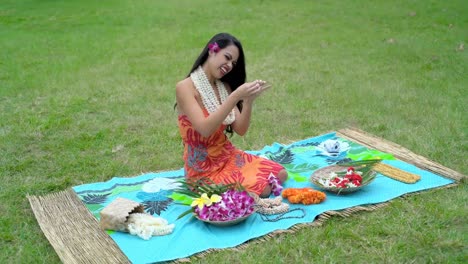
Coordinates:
115 215
325 172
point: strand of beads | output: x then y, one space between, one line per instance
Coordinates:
204 87
269 206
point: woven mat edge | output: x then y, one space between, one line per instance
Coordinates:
73 231
378 143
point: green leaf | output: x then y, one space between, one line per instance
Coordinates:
360 162
185 213
297 177
303 167
181 198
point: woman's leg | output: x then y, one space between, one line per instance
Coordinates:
266 192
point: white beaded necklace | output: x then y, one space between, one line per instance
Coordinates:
208 95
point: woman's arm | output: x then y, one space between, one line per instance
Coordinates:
188 105
242 123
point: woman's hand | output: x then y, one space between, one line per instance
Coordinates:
247 92
251 90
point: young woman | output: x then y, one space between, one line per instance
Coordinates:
212 101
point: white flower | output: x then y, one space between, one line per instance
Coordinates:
146 226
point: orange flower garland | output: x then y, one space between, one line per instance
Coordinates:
303 195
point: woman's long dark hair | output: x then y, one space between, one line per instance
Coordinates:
237 76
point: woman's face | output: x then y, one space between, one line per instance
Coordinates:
224 60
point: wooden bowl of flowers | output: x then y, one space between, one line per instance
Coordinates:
345 177
218 204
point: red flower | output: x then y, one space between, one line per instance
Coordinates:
357 183
356 177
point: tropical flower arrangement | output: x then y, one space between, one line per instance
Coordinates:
337 178
216 202
350 179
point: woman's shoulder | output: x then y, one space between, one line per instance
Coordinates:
186 87
185 82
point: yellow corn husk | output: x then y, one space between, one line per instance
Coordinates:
396 173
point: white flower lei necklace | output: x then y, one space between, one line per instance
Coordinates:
208 95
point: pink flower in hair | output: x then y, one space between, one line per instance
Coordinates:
213 47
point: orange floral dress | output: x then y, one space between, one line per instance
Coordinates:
216 158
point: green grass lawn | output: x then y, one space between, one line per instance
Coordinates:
87 93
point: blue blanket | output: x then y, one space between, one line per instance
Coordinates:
301 159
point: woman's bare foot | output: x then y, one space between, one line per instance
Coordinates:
282 176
